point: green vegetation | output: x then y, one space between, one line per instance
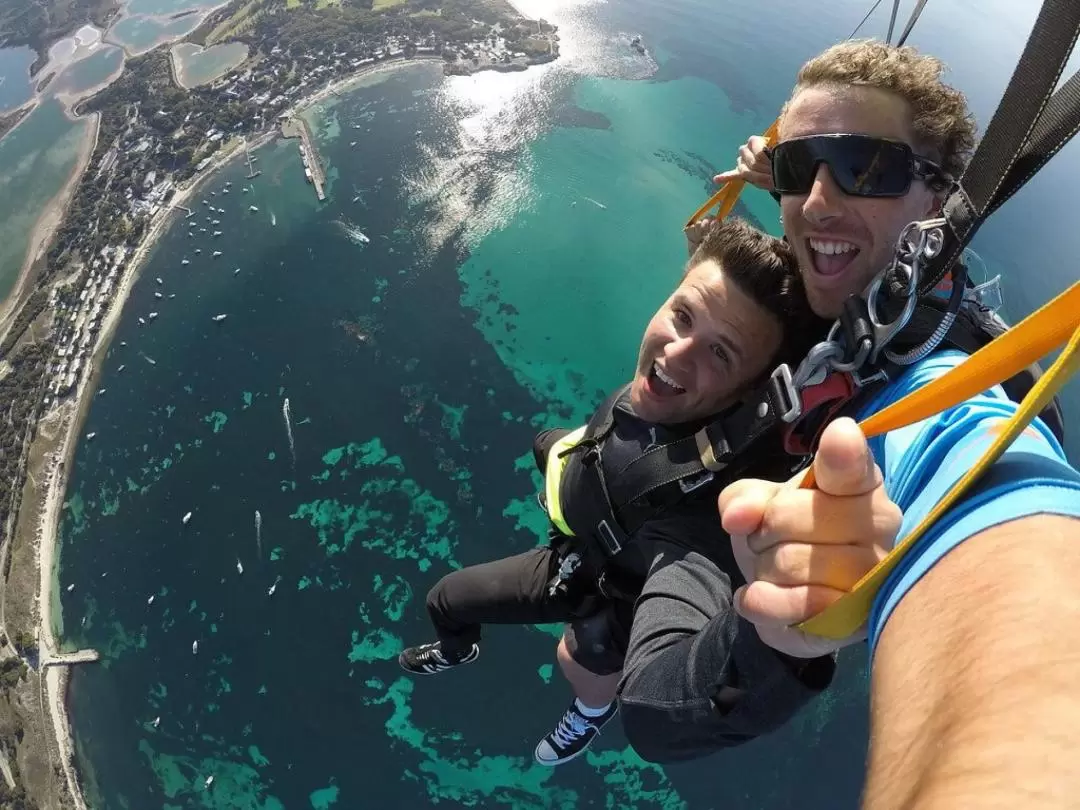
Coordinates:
12 670
40 23
24 642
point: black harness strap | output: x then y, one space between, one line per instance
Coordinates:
1023 128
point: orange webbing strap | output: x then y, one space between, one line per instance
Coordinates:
730 191
1007 355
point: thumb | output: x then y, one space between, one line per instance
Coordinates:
843 464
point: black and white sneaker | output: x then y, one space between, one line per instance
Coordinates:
572 736
429 659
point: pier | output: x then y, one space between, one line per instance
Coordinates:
66 659
250 159
313 171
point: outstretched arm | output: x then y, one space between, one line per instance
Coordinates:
975 698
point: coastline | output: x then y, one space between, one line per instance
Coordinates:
73 413
72 416
48 222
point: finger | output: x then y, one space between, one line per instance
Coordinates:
775 605
756 145
724 177
814 517
794 564
745 500
744 557
747 157
843 464
761 179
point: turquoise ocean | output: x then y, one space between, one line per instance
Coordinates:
360 423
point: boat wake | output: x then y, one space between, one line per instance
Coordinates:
352 232
258 534
287 413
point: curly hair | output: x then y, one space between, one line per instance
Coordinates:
942 124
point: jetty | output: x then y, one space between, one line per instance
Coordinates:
250 160
69 658
313 171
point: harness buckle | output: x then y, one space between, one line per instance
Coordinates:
783 385
608 539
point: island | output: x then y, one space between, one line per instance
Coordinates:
155 142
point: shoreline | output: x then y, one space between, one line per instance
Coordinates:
50 219
55 685
73 414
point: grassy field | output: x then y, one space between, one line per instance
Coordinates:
382 5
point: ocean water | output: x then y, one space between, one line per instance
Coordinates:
489 254
15 84
88 72
139 34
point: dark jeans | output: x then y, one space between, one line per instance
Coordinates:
514 590
697 678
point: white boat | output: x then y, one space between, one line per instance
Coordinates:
150 360
199 250
186 518
226 191
201 230
213 193
215 222
210 779
194 648
217 233
271 589
159 281
90 435
172 295
122 367
228 183
184 261
158 295
217 253
204 202
236 272
253 209
352 143
157 720
239 566
71 587
101 391
244 190
123 343
219 318
142 320
152 315
150 601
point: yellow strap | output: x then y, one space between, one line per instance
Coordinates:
730 191
553 472
1009 354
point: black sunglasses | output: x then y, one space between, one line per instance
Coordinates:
861 165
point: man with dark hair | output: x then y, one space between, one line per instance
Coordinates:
738 310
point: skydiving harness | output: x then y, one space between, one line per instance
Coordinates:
897 323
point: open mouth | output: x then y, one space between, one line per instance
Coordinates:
831 257
661 384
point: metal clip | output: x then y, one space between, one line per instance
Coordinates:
918 241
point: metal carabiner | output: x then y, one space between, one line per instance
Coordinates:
907 261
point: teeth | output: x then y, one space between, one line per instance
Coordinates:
829 247
660 373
